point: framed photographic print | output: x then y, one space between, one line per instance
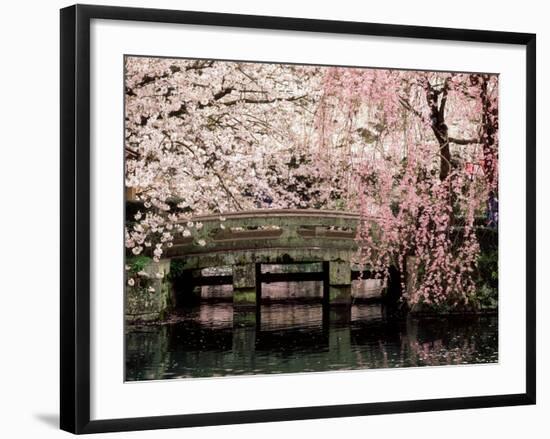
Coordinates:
268 218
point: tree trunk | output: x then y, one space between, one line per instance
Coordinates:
439 127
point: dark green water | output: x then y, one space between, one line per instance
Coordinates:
209 340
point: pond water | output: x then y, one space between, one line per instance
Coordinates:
211 340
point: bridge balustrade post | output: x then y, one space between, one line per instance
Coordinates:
339 281
244 285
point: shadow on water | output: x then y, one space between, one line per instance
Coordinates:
211 340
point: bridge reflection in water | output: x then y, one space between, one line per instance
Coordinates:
212 340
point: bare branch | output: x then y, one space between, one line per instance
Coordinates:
464 141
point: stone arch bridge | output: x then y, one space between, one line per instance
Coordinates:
247 240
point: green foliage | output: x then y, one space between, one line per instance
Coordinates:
176 268
138 263
487 265
486 296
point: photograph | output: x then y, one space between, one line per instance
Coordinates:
299 218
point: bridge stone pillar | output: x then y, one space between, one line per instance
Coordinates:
143 304
244 285
339 280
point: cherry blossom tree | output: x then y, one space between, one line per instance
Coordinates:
205 136
417 202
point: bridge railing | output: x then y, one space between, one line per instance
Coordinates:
266 228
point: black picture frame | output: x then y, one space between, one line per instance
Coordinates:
75 217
